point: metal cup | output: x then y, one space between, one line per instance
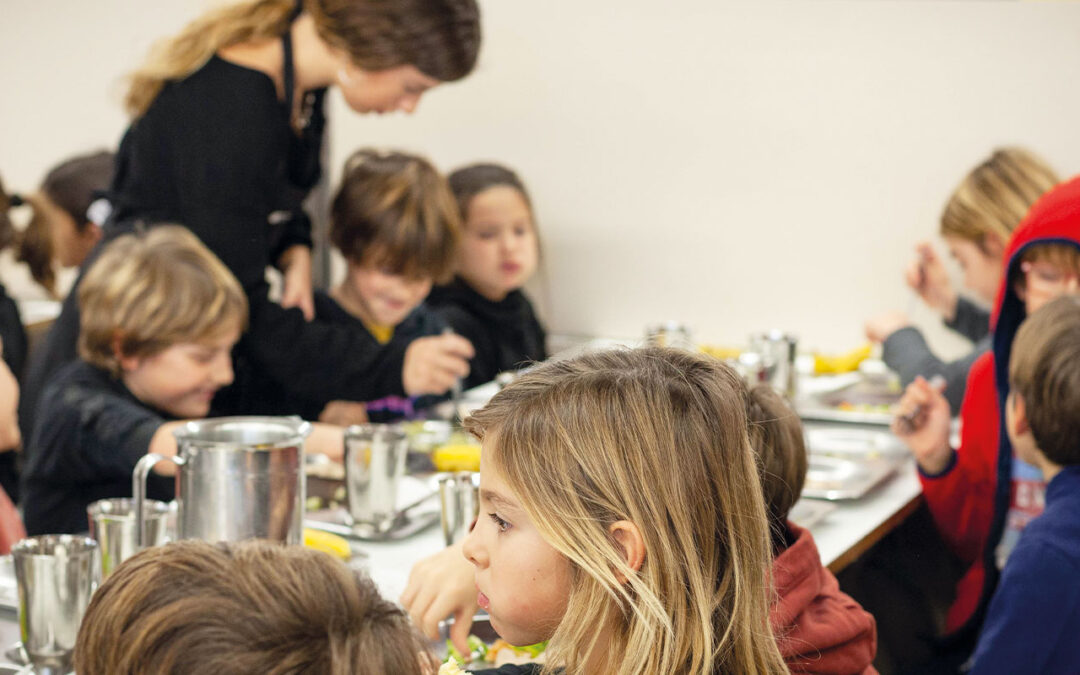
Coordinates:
777 350
669 334
374 464
459 497
56 575
112 525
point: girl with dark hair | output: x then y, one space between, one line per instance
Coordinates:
498 253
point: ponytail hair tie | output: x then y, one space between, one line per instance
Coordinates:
16 200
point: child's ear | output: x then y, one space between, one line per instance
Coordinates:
993 245
126 362
1019 414
628 538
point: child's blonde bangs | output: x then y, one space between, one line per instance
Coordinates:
656 437
150 290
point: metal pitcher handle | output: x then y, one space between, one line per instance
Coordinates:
138 490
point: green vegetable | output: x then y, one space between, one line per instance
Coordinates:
453 653
533 650
477 647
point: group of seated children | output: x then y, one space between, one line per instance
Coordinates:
984 494
160 316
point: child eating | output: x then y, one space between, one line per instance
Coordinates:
1034 616
395 222
498 253
159 317
622 518
981 496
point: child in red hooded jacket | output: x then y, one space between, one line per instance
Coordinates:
980 494
818 629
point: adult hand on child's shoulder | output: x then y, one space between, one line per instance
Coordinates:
296 273
926 431
439 586
879 328
432 364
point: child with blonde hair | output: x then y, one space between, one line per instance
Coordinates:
976 224
622 517
192 607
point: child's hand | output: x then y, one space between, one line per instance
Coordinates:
326 439
881 327
433 364
439 586
344 413
296 272
923 424
927 276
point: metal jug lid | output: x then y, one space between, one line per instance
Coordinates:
250 432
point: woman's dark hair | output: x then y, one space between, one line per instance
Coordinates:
76 183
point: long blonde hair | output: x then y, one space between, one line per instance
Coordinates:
996 195
440 37
657 437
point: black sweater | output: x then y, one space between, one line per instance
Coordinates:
91 432
419 323
506 335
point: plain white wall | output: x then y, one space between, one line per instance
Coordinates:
733 165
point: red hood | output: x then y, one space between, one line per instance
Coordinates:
818 628
1054 217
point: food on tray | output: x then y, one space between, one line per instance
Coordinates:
841 363
327 543
461 456
722 353
848 406
497 654
451 667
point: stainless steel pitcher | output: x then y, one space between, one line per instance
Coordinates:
238 478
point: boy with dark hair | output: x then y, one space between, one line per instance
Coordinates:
1034 616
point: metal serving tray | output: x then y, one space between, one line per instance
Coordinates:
862 402
835 478
850 442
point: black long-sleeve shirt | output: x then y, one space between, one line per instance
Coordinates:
91 432
216 153
506 334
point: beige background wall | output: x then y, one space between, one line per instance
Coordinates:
733 165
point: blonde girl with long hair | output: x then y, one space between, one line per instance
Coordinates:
226 139
976 224
622 518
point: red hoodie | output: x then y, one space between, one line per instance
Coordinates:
819 629
970 498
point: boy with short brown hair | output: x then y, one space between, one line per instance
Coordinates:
191 607
1034 616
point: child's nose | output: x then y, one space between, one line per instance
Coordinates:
471 548
223 372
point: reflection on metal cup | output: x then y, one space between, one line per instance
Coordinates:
56 575
374 465
669 334
777 350
459 497
112 525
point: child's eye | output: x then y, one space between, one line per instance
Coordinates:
487 234
499 522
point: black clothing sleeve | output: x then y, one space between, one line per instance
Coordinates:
484 365
90 434
906 352
971 321
13 334
512 669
